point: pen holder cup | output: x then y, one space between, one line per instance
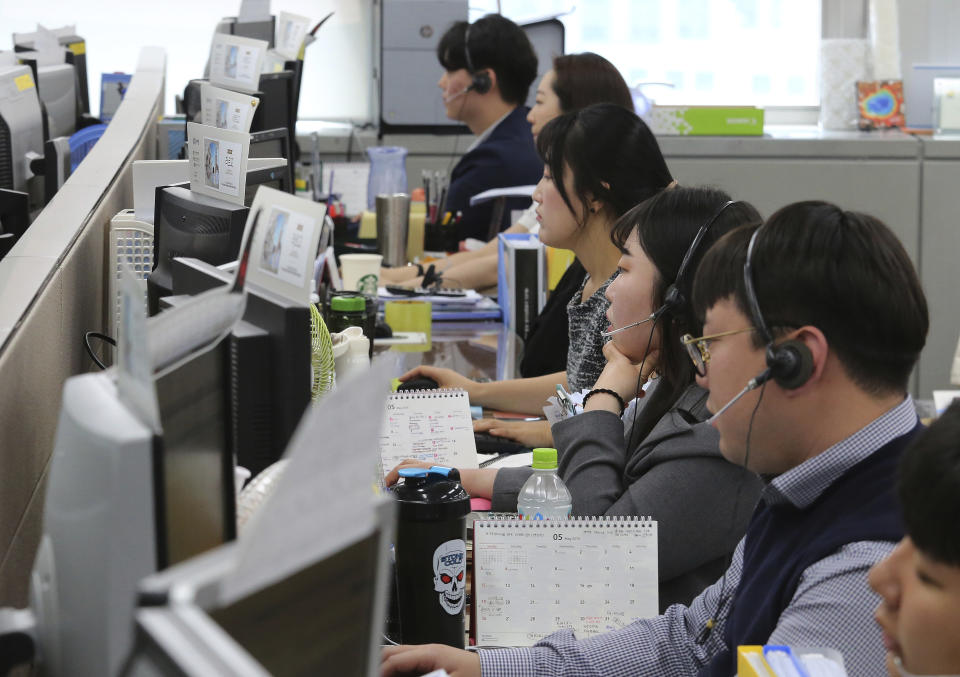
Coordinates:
440 238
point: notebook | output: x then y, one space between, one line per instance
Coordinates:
428 425
588 574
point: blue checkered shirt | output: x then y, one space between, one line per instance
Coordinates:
832 607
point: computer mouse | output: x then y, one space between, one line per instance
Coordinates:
421 383
382 330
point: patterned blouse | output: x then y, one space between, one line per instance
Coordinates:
585 358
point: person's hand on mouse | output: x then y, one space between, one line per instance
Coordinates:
531 434
445 378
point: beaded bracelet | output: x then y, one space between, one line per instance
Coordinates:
623 405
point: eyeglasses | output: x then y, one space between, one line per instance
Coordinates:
699 348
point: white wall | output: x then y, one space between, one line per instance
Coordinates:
115 31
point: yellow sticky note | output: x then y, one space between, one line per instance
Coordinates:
23 82
78 48
751 663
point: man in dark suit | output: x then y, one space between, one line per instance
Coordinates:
489 67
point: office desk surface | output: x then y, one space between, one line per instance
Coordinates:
478 350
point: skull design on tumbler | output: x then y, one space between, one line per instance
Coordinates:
449 572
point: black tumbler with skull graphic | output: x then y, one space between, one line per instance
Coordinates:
431 555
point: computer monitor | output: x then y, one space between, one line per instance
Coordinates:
14 218
273 177
189 224
57 87
258 30
56 166
270 143
277 108
21 126
277 103
193 473
324 619
269 365
122 503
76 54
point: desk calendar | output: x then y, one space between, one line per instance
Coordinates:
428 425
591 575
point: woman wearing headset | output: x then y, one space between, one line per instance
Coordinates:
575 82
659 459
599 162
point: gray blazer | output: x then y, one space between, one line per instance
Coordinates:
676 475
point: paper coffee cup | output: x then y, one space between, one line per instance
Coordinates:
360 272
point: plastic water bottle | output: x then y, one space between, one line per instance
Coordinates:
543 495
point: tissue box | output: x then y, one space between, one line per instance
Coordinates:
706 120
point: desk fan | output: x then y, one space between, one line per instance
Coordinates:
321 356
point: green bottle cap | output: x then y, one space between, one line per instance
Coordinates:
544 459
348 303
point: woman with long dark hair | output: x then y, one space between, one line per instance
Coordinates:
658 458
599 162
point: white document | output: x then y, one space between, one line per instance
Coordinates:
47 46
523 460
235 62
253 10
27 38
324 502
349 181
150 174
284 249
225 109
291 30
218 161
134 368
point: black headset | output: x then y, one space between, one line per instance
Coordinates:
480 82
673 298
789 364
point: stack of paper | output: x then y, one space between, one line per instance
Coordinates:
470 306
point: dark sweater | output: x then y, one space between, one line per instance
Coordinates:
783 541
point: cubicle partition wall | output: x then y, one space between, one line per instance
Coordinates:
52 289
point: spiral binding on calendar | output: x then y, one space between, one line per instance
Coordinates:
428 394
508 520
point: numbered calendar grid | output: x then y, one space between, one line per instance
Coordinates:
533 579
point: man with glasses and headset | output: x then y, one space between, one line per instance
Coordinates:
813 323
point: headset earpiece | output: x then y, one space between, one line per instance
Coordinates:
672 300
790 363
481 83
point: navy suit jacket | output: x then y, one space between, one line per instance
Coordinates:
506 158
